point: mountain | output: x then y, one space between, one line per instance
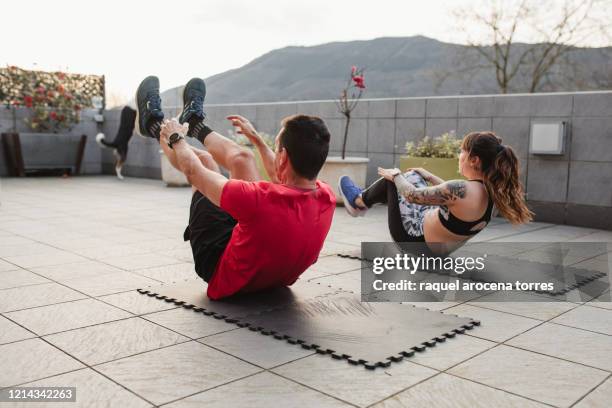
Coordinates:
394 67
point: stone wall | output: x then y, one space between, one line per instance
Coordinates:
575 188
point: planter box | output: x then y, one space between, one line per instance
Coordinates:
171 176
35 152
354 167
446 169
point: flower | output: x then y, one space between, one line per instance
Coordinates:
28 100
359 81
53 115
353 70
40 89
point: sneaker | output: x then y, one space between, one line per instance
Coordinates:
193 105
148 106
349 192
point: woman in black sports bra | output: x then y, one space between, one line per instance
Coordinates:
424 208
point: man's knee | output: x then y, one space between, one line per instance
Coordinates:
241 158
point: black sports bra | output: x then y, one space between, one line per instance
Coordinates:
460 227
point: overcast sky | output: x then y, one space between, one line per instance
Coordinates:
176 40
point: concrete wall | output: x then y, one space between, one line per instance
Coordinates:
14 120
575 188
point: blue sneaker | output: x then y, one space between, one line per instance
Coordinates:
349 192
149 114
193 105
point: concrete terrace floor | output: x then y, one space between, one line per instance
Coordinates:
73 250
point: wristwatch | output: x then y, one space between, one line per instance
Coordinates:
175 137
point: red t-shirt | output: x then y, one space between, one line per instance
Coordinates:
280 232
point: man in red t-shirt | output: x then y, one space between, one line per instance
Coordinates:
245 234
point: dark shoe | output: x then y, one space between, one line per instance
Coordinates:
148 105
193 105
349 193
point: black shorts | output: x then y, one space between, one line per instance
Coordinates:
209 231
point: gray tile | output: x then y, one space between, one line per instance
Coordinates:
451 352
247 393
598 398
381 136
540 173
588 137
408 130
494 325
189 323
36 295
551 105
110 341
475 107
174 372
140 261
588 318
111 283
590 183
446 391
5 266
254 347
512 105
593 104
20 277
381 109
170 273
136 303
25 249
526 304
66 316
66 272
592 349
467 125
353 384
542 378
56 257
10 332
100 252
92 390
30 360
438 127
442 107
411 108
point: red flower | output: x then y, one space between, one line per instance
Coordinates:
353 70
28 100
53 115
359 81
60 88
61 118
50 94
77 107
40 89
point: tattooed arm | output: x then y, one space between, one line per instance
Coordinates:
429 177
442 194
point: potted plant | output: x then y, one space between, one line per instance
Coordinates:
439 155
355 167
52 103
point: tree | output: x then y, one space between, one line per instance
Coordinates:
554 30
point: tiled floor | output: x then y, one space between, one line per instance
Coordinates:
72 251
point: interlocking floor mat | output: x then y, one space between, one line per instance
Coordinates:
326 320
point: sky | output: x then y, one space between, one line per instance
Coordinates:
178 39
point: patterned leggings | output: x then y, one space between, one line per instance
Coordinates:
405 219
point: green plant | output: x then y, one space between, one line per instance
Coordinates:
445 146
55 98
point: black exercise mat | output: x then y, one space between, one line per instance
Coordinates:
372 334
328 320
505 269
192 294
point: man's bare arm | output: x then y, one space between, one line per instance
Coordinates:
208 182
244 127
442 194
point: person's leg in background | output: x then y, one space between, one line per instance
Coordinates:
239 161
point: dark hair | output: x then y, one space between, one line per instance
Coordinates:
500 168
306 139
